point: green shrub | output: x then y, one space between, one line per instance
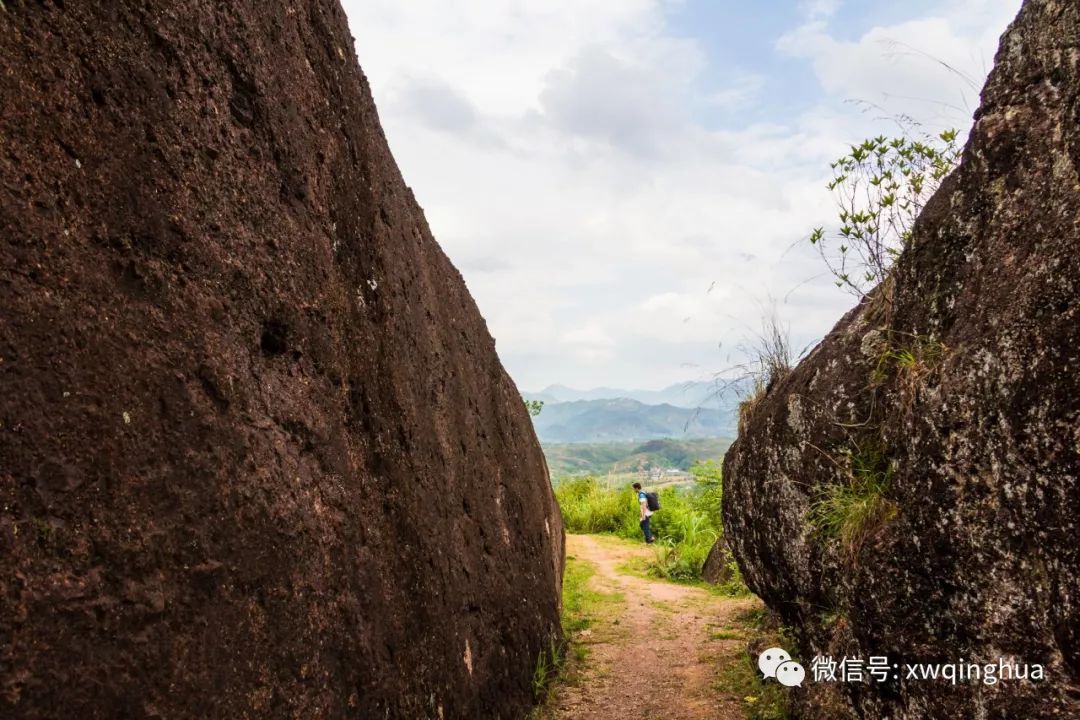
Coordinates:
686 531
678 562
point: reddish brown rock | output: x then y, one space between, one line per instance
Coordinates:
717 568
976 433
258 456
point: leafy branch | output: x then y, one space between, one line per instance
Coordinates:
881 186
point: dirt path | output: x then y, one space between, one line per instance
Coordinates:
658 653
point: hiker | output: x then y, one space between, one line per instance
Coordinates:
647 502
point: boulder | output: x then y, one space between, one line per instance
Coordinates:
258 455
956 387
717 567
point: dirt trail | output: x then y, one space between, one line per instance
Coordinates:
659 655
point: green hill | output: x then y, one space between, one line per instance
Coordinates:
601 458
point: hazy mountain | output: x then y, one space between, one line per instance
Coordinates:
684 410
543 397
683 395
624 419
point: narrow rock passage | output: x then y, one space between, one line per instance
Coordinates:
660 652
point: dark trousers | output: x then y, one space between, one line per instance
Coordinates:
646 529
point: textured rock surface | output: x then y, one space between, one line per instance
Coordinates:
258 457
982 560
717 567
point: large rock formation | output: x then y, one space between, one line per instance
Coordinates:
258 456
957 389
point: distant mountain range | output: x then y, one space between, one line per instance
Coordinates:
686 410
683 395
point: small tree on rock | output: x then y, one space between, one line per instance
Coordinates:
881 186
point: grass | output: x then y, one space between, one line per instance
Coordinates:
550 665
581 604
736 586
647 569
581 607
853 510
768 361
680 558
726 634
856 508
912 364
749 403
761 700
687 524
589 507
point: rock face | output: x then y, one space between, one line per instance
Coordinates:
974 552
258 456
717 567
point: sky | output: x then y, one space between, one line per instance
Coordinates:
627 185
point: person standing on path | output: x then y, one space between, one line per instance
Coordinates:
646 513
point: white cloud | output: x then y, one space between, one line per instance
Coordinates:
741 92
931 67
438 105
555 149
621 102
817 9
